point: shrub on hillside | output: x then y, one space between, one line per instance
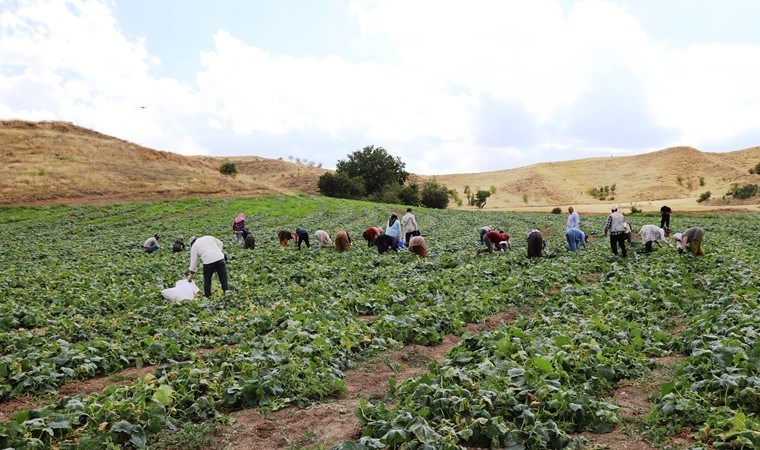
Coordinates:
228 168
557 210
704 197
435 195
743 192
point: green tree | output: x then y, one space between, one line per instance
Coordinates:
341 186
435 195
410 194
481 197
375 166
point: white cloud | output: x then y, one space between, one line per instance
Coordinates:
547 72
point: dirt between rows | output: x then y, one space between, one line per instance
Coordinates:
333 421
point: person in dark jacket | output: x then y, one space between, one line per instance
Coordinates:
385 243
302 236
536 243
665 219
179 245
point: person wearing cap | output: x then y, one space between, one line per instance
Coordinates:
151 244
615 226
574 237
693 238
209 250
303 237
179 245
494 239
418 246
536 242
409 226
237 228
573 219
370 234
342 241
651 234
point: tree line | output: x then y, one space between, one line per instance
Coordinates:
373 174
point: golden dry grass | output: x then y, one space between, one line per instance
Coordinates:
58 162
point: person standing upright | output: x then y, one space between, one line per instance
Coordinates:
665 219
615 226
573 219
237 228
409 226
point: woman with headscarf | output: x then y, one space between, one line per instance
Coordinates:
417 246
342 241
237 227
393 228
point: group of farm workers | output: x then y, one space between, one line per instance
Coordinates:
405 234
402 233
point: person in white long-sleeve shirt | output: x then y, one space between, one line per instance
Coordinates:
209 250
573 219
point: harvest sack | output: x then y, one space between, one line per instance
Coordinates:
182 290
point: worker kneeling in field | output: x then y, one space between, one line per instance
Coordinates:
209 250
417 246
693 238
494 239
342 241
179 245
151 244
536 243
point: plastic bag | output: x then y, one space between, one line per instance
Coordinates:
182 290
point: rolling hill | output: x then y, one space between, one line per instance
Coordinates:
58 162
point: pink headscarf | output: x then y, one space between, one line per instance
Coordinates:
240 218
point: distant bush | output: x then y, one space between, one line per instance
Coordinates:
703 197
341 186
755 169
434 195
743 192
701 181
603 192
557 210
228 168
636 210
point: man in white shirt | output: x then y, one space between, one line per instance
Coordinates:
573 219
209 250
615 226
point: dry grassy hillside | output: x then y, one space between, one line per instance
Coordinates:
54 162
58 162
672 174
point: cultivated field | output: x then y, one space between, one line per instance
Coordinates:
313 348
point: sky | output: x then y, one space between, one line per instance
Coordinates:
448 86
